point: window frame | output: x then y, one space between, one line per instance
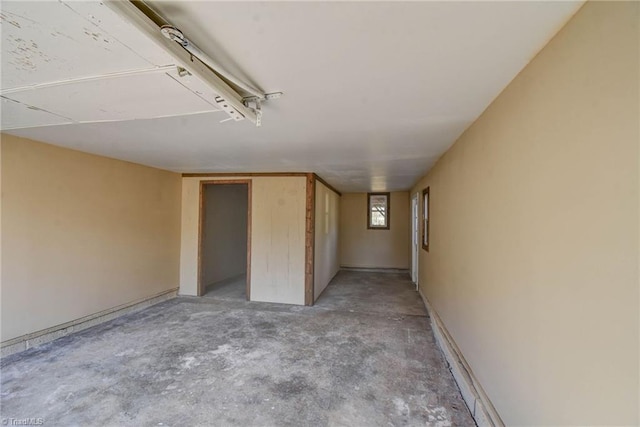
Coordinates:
425 219
388 212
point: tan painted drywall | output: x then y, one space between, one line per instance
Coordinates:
1 236
278 212
533 262
225 233
326 255
81 234
360 247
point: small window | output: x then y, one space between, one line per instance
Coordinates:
378 212
425 219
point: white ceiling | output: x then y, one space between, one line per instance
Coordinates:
374 92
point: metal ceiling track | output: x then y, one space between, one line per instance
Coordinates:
194 61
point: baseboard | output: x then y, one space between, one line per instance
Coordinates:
375 269
482 410
34 339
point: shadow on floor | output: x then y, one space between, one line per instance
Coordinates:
234 288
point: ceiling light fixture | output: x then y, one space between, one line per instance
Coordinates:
195 61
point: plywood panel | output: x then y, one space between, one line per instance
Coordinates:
106 19
14 115
51 41
125 97
278 240
326 255
189 236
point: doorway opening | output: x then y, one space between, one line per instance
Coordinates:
224 261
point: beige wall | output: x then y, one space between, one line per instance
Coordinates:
81 234
224 243
360 247
326 255
533 262
278 216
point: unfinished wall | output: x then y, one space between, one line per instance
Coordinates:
360 247
277 237
81 234
533 262
225 233
326 255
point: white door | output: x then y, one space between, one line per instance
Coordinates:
415 239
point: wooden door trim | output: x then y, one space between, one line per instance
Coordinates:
239 174
310 240
201 219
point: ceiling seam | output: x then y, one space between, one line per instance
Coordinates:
156 69
193 92
32 107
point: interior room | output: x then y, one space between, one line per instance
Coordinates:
224 240
320 213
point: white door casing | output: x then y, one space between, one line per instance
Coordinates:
415 239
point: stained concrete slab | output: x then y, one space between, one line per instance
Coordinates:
372 292
234 288
207 361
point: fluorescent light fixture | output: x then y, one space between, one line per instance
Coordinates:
196 62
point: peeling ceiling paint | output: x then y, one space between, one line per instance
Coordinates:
374 92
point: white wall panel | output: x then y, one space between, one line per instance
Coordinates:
326 253
16 115
125 97
278 208
50 41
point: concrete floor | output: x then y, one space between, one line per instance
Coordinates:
363 356
234 288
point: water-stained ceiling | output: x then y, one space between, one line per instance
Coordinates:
374 92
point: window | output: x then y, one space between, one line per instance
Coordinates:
425 219
378 211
